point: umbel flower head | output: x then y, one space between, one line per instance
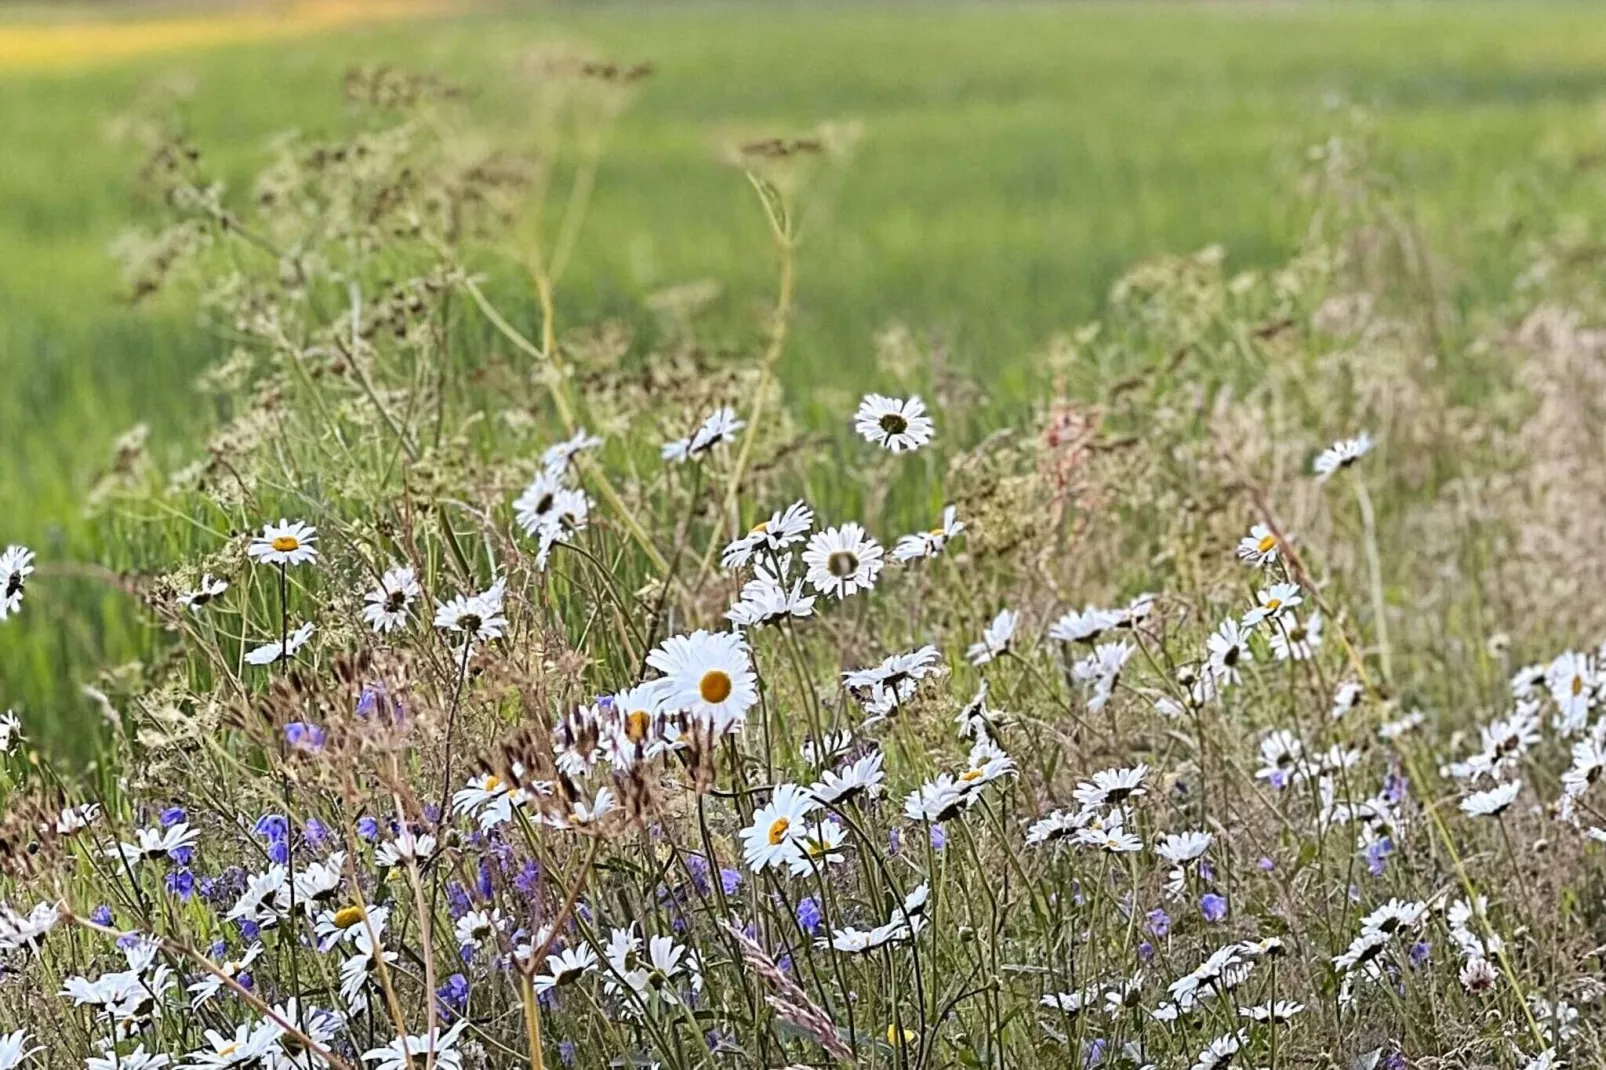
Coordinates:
285 543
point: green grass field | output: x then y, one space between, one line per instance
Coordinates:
1015 158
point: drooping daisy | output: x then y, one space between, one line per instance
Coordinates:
1083 627
1342 454
709 675
566 967
1220 1051
718 428
1295 639
1229 650
27 931
1492 803
1056 826
1181 848
406 847
1282 1011
16 564
995 638
1272 603
898 425
153 842
938 800
862 777
204 593
770 841
269 653
1112 786
784 528
842 561
474 618
385 607
556 457
1102 669
930 543
771 597
571 512
285 543
1259 547
138 1059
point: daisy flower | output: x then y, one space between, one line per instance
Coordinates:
930 543
1346 698
1083 627
995 638
406 847
26 930
10 732
784 528
566 967
1571 680
16 564
1297 640
1229 649
818 845
1180 848
1111 786
385 607
204 593
771 597
770 841
269 653
709 675
842 561
939 800
537 505
1342 454
863 777
1492 803
571 511
1220 1052
1281 1011
14 1049
557 456
477 617
284 543
253 1044
720 427
898 425
1259 547
1272 603
406 1052
1056 826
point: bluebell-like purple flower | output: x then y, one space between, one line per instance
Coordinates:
181 882
1266 864
101 915
809 915
454 994
1145 951
1159 922
272 826
279 851
894 841
567 1050
1420 951
368 828
730 880
457 903
1213 907
315 832
171 816
1377 856
182 856
485 888
939 838
303 735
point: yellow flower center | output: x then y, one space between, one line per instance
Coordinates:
715 686
970 775
227 1050
1266 543
759 528
492 782
346 917
1578 685
1274 604
286 543
637 721
778 830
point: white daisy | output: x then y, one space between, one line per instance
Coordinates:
1180 848
818 845
1259 547
898 425
404 1053
995 638
1295 639
1272 603
1056 826
1492 803
1083 627
938 800
1229 650
477 617
571 512
771 597
842 561
10 732
784 528
385 607
1346 698
1342 454
14 1049
557 456
204 593
269 653
862 777
771 840
536 506
719 428
16 564
709 675
1112 786
1571 680
254 1044
566 967
930 543
284 543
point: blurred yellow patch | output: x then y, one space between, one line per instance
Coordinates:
82 42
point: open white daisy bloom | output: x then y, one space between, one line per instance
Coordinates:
285 543
898 425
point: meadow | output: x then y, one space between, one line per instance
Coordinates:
1014 159
874 536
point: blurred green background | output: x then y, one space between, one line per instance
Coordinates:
1016 157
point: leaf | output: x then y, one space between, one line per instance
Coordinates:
774 205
